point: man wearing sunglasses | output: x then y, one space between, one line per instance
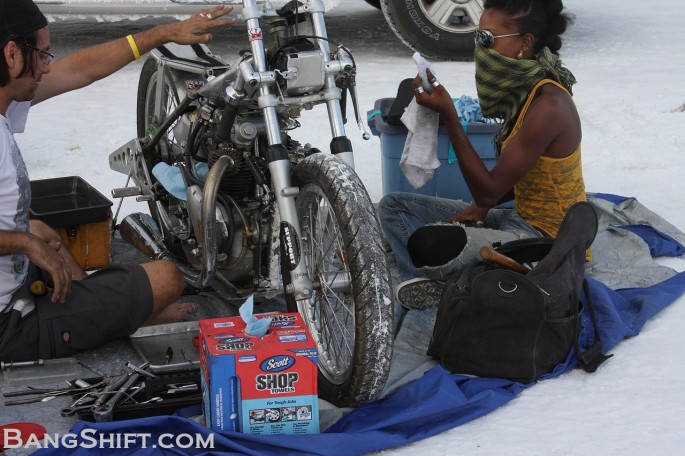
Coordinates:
521 82
79 311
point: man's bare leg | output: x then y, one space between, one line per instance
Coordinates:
165 279
167 286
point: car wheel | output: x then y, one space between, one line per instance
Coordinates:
438 29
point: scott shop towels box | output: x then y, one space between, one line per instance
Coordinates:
259 385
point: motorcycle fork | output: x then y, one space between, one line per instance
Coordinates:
340 145
300 284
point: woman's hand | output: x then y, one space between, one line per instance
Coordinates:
438 100
472 215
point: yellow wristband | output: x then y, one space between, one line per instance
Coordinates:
134 47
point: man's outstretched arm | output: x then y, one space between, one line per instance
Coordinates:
86 66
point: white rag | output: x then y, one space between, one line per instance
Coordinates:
420 155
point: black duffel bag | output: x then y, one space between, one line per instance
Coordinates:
519 324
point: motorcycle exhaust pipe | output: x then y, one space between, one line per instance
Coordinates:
141 231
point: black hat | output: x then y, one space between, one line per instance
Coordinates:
18 18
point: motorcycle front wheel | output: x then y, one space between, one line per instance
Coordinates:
350 314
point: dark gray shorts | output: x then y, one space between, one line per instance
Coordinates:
110 303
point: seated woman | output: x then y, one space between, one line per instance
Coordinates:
520 80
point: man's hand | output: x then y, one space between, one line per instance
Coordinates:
48 259
48 235
45 233
91 64
194 29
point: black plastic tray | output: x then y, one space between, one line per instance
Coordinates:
68 201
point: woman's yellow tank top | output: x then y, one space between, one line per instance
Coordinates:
552 186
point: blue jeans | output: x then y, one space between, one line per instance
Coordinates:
403 213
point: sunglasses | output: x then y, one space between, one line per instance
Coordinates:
486 39
44 56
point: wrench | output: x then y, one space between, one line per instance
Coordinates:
111 387
82 403
104 412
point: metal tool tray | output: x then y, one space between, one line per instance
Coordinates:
153 387
152 342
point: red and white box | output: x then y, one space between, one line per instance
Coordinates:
259 385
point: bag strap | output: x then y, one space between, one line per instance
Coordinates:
405 93
592 358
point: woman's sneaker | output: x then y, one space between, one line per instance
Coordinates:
419 294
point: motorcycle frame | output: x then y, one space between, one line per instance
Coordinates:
252 77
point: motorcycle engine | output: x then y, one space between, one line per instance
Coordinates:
238 182
300 66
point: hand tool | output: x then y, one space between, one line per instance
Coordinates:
168 354
105 412
11 364
493 256
45 394
112 386
82 403
140 371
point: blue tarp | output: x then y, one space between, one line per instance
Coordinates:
425 407
434 403
659 243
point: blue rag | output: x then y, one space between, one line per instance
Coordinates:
172 180
256 327
469 111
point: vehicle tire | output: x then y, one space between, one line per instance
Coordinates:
146 122
438 29
145 103
351 312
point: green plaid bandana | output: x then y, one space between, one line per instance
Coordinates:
503 83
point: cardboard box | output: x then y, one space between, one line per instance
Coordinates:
258 385
80 214
447 181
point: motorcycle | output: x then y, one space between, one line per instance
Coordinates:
245 209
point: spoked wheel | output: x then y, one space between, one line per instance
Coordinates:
350 314
148 113
154 104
